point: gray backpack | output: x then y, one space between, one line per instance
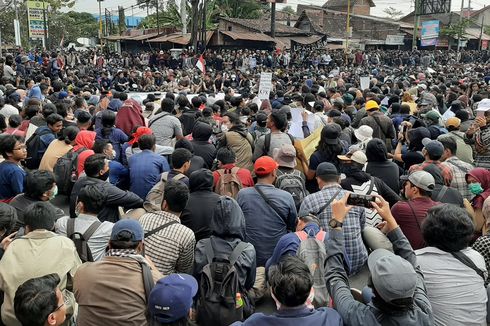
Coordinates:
313 253
154 199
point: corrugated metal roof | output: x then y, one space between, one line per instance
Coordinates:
474 33
143 37
343 3
178 38
259 37
263 25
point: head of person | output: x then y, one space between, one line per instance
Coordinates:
69 135
230 120
184 143
40 185
108 118
478 180
277 120
97 166
376 151
171 299
418 184
326 173
364 133
453 124
450 147
8 218
39 216
431 118
202 131
265 169
91 200
55 122
147 142
39 302
127 234
290 282
167 105
15 120
415 137
355 159
448 228
330 139
181 159
201 180
371 107
303 221
175 196
225 156
285 156
462 115
104 146
228 220
84 120
433 149
12 148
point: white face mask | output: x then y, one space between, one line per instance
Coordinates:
224 128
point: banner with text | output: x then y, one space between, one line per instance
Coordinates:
35 13
265 85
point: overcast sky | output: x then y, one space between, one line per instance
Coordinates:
406 6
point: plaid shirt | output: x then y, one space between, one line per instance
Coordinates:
172 248
353 225
445 170
459 170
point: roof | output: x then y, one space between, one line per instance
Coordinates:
143 37
474 33
263 25
343 3
477 12
315 17
258 37
178 38
281 15
445 18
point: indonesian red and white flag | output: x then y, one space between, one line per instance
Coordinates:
200 65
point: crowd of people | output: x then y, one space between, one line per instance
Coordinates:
196 203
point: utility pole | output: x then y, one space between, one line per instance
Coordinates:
481 32
416 22
17 25
183 16
45 39
347 33
158 18
100 22
459 30
204 33
273 19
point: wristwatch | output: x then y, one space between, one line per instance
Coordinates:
333 223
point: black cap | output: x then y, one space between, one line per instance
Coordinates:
331 133
326 169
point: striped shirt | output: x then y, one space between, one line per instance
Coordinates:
459 170
172 248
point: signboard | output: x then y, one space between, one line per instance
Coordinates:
429 42
321 44
395 40
365 82
484 44
265 85
430 29
430 7
35 13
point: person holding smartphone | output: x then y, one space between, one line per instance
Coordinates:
478 135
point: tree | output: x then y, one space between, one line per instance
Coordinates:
393 13
122 20
288 10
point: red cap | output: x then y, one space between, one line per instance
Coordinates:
141 131
265 165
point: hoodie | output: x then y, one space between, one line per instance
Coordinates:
200 142
84 139
199 211
240 141
228 230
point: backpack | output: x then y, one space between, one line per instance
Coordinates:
219 287
292 183
312 252
228 184
33 146
267 143
81 240
154 199
65 171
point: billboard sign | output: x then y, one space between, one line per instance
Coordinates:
35 13
394 40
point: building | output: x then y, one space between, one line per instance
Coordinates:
357 7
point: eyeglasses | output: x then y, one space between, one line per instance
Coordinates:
59 307
21 148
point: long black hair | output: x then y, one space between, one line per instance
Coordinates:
108 121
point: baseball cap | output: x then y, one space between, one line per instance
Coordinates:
326 169
420 179
363 133
128 225
62 95
141 131
431 115
371 105
453 122
332 133
393 277
434 147
285 156
265 165
356 155
348 98
423 86
171 297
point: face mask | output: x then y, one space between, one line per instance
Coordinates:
475 188
224 128
104 176
54 192
112 156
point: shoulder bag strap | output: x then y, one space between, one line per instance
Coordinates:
371 186
148 282
328 202
376 118
153 121
267 144
461 168
161 227
208 248
91 230
270 203
468 262
414 215
441 193
237 252
70 227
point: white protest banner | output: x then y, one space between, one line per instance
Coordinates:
265 85
296 129
365 82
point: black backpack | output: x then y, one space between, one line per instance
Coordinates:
81 240
65 171
218 289
33 146
293 183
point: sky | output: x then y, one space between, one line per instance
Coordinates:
406 6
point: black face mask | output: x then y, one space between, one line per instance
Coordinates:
104 176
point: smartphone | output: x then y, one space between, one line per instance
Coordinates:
361 200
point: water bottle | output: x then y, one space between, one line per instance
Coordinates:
238 301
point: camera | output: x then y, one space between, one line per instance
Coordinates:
361 200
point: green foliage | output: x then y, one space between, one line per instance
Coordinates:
122 20
456 29
289 10
72 25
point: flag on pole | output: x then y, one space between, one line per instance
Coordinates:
200 65
95 58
